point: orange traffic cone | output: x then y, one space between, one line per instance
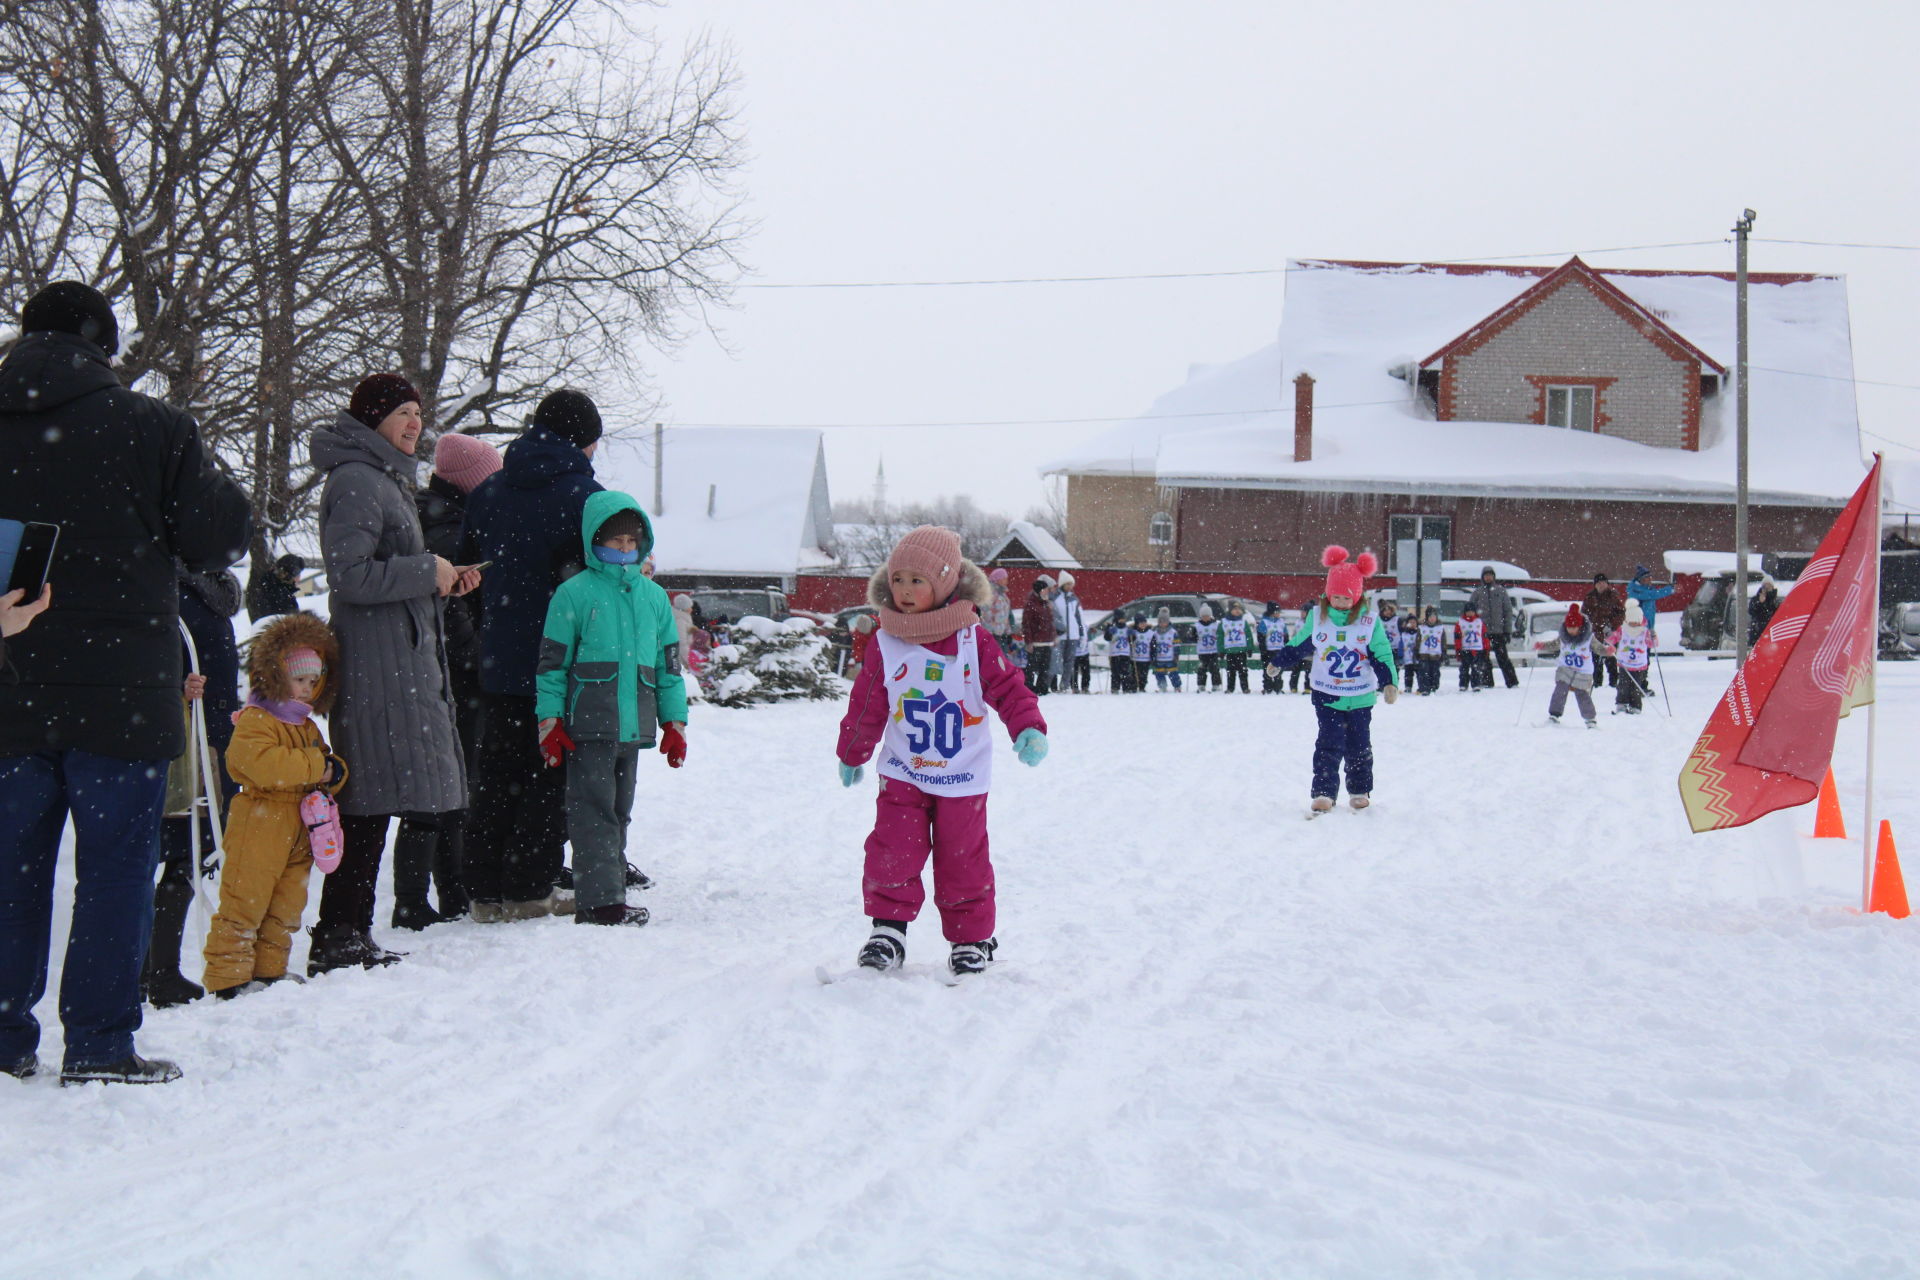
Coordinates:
1827 822
1889 889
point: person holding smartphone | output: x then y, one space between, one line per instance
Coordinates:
94 716
17 614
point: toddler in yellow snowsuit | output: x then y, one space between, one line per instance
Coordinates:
278 757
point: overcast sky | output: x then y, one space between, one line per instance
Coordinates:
899 141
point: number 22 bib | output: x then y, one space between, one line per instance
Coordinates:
1340 665
938 737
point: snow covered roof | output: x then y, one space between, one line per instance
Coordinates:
737 500
1040 547
1351 324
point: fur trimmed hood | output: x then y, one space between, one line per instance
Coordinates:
973 586
266 658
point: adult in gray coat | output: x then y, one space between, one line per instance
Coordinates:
1495 607
393 722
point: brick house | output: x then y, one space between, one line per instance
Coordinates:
1566 419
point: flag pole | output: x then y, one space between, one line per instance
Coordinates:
1873 707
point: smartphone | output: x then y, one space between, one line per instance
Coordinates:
484 564
26 555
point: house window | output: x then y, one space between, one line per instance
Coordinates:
1160 530
1416 528
1570 407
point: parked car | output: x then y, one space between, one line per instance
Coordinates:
1900 631
735 603
1184 610
1537 639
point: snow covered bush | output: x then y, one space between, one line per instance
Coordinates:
771 662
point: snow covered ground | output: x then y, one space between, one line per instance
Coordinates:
1515 1022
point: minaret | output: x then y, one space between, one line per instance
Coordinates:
880 492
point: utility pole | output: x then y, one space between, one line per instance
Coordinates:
659 469
1741 230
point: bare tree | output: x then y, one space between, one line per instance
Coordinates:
537 196
864 537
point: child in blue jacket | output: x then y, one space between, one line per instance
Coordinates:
1351 667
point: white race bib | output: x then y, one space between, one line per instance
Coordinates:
938 737
1341 666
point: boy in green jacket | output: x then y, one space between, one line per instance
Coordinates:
609 671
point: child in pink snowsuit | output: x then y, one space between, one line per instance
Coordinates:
922 698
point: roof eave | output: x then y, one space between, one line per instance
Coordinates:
1465 489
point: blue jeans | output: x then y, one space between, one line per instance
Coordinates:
116 819
1344 735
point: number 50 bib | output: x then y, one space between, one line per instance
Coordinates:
1340 665
938 737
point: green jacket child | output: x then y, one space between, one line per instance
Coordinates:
609 675
610 655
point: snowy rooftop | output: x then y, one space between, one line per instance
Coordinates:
1046 549
737 500
1349 324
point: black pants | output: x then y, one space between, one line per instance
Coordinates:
1606 671
516 825
1237 670
1208 676
347 897
1121 671
1499 639
1040 668
1297 677
1082 677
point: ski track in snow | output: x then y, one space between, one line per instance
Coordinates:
1513 1022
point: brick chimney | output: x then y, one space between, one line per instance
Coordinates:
1303 418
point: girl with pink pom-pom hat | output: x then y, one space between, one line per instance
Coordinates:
1352 666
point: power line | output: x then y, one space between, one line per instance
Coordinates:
1838 377
1898 444
1026 422
1189 275
1841 244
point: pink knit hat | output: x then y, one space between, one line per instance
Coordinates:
304 662
934 554
1348 578
463 461
998 575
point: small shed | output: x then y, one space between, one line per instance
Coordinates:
1028 546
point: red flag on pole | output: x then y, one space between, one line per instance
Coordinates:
1770 739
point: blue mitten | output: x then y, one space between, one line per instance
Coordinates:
849 774
1030 746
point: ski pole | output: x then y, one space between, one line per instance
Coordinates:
1665 696
1526 693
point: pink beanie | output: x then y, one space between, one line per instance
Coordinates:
304 662
998 575
934 554
1348 578
463 461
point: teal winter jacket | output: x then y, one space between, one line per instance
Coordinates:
610 654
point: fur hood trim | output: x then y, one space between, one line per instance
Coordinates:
973 586
266 658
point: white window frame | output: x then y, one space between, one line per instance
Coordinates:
1160 529
1571 391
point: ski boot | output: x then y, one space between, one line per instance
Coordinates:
972 957
886 949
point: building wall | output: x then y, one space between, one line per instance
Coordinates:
1108 517
1642 392
1275 531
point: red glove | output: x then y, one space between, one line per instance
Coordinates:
554 747
673 745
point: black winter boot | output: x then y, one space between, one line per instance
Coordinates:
161 979
413 854
618 913
132 1069
343 947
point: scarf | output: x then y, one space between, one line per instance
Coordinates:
929 627
292 711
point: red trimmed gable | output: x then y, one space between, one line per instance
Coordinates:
1649 325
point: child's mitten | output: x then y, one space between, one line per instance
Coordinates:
1273 672
849 774
673 745
1030 746
1391 693
321 816
554 747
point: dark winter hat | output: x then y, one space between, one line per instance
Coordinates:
1486 571
379 395
1601 577
571 415
1640 571
67 306
291 564
625 522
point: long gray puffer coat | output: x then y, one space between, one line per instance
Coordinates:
394 722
